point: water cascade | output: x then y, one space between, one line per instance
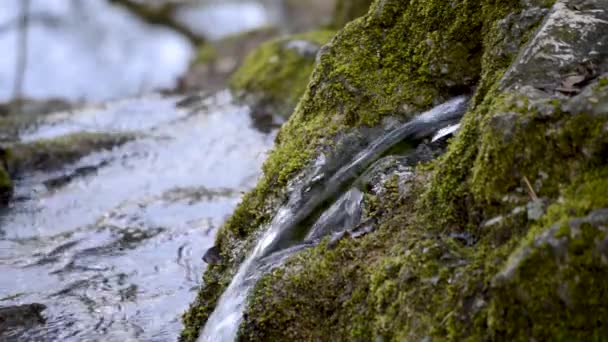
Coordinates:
278 242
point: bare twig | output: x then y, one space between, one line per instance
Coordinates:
21 57
160 15
530 189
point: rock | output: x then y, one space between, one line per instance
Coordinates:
307 15
570 47
303 47
21 316
274 76
52 154
337 237
429 267
79 172
536 209
212 256
18 115
30 107
6 187
574 264
217 60
344 215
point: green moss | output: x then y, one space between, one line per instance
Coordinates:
275 76
50 154
557 277
414 278
206 54
603 82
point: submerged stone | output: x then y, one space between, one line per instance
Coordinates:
460 255
21 316
212 256
51 154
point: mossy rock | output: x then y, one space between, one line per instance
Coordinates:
274 76
554 287
18 115
432 268
51 154
497 274
215 61
368 71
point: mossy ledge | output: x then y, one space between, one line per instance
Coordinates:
523 145
274 76
51 154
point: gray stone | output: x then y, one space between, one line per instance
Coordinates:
212 256
571 42
303 47
536 209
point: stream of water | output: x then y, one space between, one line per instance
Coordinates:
306 198
115 255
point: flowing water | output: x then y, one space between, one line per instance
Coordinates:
306 198
115 254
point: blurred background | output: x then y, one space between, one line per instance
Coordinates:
99 50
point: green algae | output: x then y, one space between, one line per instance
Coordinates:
275 75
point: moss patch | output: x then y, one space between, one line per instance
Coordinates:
554 285
414 278
274 76
400 58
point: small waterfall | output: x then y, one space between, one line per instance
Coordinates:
277 242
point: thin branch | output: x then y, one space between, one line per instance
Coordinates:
160 15
21 57
531 191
